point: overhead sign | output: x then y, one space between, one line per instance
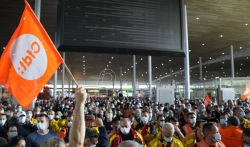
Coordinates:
93 91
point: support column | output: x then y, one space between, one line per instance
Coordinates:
55 85
1 92
232 60
121 78
37 10
186 59
63 75
171 77
150 76
69 80
200 61
134 75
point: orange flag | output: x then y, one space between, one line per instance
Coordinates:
207 100
29 59
246 93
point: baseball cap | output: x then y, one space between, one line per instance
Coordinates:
21 113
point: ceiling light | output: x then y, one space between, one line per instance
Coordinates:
107 65
109 61
247 57
198 62
83 68
156 77
189 50
4 48
146 72
122 74
205 67
223 72
221 35
241 64
131 66
240 68
222 62
203 44
83 56
210 58
172 70
160 75
180 68
176 75
128 69
83 65
136 63
141 59
222 53
196 74
156 67
197 18
240 47
212 75
246 24
162 64
166 73
83 61
83 71
125 72
221 67
169 60
206 71
112 57
142 75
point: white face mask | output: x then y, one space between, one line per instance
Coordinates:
19 109
167 139
22 120
50 117
242 114
2 122
109 115
223 121
40 126
217 137
125 130
144 119
162 123
57 116
69 123
29 115
193 121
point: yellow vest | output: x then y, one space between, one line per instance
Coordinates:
53 125
34 121
62 122
159 142
189 140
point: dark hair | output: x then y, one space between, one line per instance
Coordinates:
186 111
207 128
233 120
44 115
246 132
158 116
3 114
13 141
11 126
91 134
190 113
235 109
214 120
198 122
173 119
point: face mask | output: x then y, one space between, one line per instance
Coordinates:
160 113
62 106
192 121
161 108
125 130
162 123
12 134
242 114
150 115
19 109
22 120
223 121
97 104
110 115
29 115
69 123
203 110
138 114
144 119
205 115
40 126
57 116
93 145
167 139
248 116
189 107
50 117
118 127
217 137
246 145
2 122
172 115
37 113
167 115
7 113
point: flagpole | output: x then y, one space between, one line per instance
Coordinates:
65 65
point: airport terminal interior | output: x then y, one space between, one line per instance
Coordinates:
119 73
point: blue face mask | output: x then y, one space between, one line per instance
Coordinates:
167 139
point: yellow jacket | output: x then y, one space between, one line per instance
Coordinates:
159 142
53 125
34 121
157 128
189 140
62 122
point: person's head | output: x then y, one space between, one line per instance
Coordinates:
91 137
116 123
37 110
19 108
10 112
211 133
161 120
199 126
246 137
3 119
51 114
129 143
191 118
125 126
53 142
230 103
238 112
174 121
233 121
208 112
144 117
70 118
138 113
12 132
42 122
21 117
109 113
17 141
167 132
58 114
185 112
202 108
29 114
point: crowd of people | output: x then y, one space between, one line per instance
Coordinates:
125 122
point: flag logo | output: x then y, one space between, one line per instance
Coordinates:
27 53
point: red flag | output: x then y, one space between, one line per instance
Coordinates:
207 100
29 59
246 93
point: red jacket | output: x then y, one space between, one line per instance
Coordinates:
115 139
